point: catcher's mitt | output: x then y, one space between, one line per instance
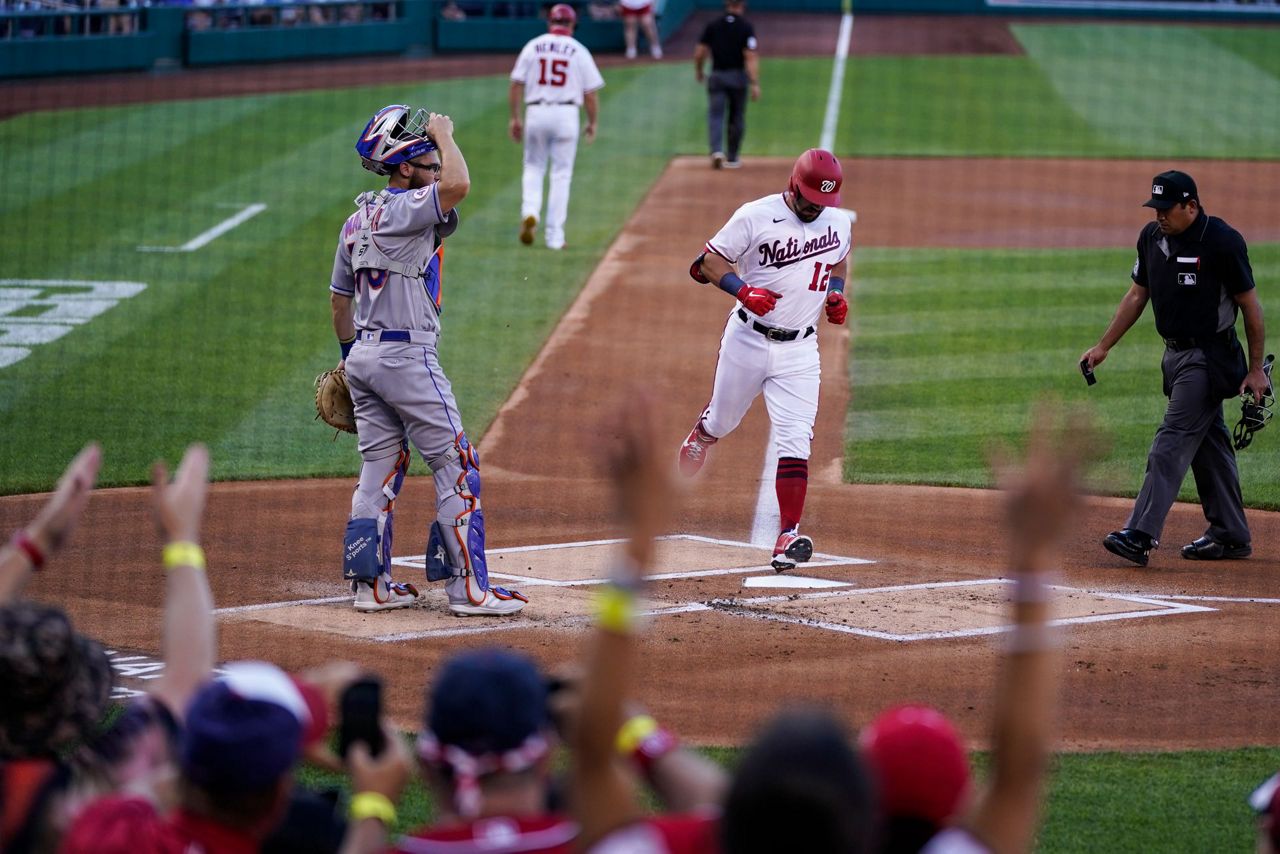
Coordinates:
333 401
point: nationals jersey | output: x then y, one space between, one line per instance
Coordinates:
772 248
402 225
556 69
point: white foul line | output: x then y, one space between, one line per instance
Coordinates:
828 139
212 234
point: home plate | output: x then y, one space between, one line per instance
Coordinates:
792 582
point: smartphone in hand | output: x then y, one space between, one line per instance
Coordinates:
1087 371
361 717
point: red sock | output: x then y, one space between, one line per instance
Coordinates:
791 483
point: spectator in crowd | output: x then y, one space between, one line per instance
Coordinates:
922 775
241 737
803 763
637 14
491 725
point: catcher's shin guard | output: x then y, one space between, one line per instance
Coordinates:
459 525
367 544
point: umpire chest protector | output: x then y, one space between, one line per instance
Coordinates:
1193 276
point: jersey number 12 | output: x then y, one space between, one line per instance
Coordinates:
821 273
558 75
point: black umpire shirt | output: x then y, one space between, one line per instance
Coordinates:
1192 276
728 37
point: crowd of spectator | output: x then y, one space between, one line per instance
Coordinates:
206 759
35 18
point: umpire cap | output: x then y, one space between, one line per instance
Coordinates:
1171 188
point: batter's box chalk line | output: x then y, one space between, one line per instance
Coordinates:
761 608
818 560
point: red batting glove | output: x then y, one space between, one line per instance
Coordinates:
837 308
758 300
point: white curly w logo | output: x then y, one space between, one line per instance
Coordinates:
828 186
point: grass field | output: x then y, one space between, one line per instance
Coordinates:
222 344
1188 801
950 347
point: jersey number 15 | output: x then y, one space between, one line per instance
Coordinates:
558 75
821 273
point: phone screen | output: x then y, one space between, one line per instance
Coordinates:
361 717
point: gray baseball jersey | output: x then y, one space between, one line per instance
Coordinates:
389 291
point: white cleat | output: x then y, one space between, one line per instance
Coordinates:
384 595
494 602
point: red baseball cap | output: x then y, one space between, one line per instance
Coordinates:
920 763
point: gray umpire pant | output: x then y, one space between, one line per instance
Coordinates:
1193 435
726 89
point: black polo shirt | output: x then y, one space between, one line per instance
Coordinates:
727 37
1193 276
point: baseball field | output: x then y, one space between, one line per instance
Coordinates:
165 276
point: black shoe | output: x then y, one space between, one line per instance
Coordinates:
1130 544
1207 548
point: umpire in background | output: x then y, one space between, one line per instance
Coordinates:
730 41
1194 269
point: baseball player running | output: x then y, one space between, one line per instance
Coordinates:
553 76
385 295
784 258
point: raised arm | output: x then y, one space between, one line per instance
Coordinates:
190 639
1040 502
603 794
29 547
455 180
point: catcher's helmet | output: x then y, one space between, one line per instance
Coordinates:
393 136
817 177
562 14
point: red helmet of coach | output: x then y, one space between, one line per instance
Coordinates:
817 177
563 15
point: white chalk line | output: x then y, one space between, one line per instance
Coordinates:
207 237
744 608
832 115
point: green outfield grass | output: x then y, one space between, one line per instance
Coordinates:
223 343
952 347
1190 801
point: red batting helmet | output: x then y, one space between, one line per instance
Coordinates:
817 177
562 13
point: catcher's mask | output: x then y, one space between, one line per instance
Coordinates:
394 135
1254 415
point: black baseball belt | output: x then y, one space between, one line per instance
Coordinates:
774 333
1180 344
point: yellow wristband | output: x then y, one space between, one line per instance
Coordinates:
633 732
373 805
183 554
615 609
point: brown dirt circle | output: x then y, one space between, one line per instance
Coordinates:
1204 679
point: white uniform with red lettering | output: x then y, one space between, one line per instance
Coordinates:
557 72
772 248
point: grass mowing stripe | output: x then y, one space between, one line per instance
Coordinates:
1223 107
959 106
926 401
